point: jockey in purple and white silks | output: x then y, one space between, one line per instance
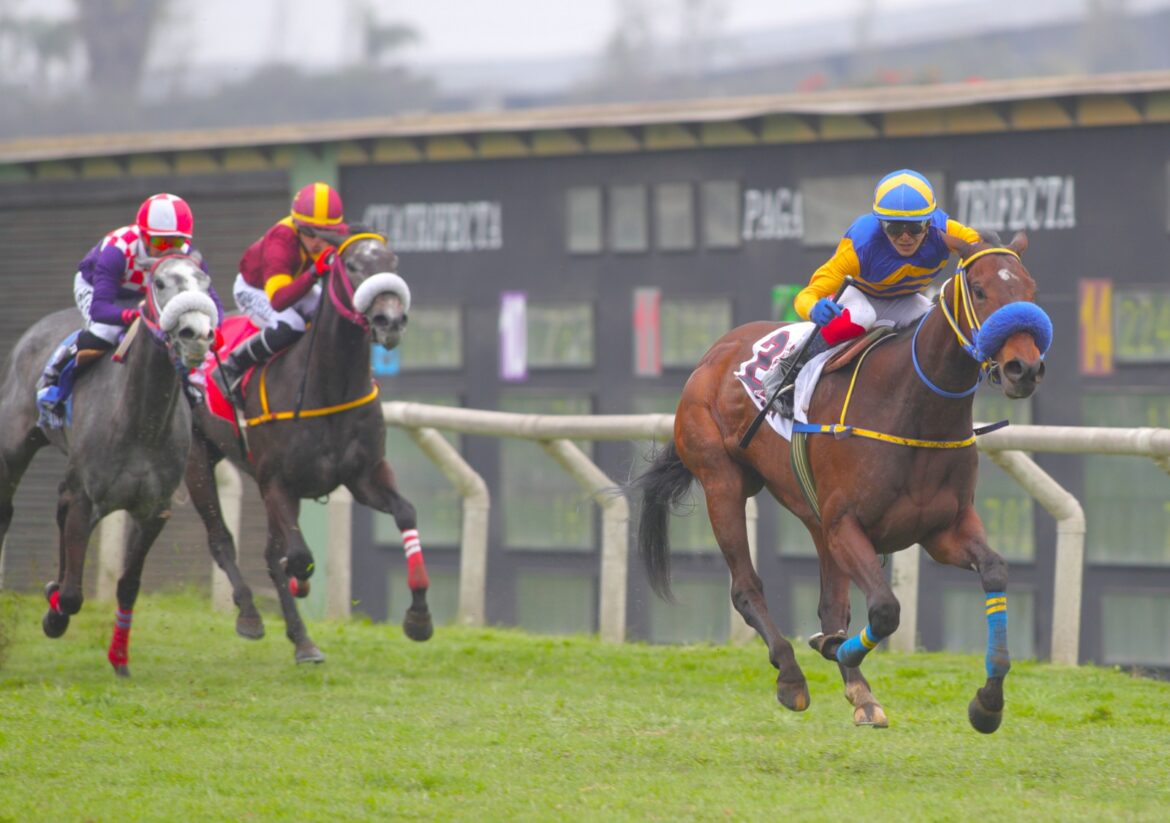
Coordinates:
112 280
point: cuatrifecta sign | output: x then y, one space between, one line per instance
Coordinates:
437 227
1017 203
772 214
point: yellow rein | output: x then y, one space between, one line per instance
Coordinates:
963 305
270 416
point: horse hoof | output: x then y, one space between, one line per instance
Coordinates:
250 627
298 588
982 719
54 623
793 695
307 652
417 624
871 714
122 670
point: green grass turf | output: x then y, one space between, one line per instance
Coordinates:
495 724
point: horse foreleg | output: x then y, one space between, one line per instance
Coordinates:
725 507
853 552
142 535
833 611
965 545
378 490
75 519
205 497
285 555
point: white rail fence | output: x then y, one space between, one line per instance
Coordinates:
1007 447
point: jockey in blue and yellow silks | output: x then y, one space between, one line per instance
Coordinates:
892 254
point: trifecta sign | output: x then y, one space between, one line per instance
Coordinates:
438 227
1011 204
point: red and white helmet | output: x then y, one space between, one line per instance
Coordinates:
166 215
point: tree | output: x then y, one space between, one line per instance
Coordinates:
117 36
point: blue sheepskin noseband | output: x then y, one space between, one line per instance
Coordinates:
1006 321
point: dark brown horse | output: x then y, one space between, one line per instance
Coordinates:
874 496
338 438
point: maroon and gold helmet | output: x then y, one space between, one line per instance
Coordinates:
319 206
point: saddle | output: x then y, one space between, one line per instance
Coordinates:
855 347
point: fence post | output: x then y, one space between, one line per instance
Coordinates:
476 511
338 554
904 582
615 534
231 492
111 554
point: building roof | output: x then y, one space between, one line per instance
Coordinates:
1134 97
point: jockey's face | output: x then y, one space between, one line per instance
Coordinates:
905 236
314 245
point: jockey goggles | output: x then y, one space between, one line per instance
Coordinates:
166 241
896 228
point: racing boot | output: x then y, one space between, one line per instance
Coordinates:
253 351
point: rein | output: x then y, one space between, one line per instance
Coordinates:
339 273
962 309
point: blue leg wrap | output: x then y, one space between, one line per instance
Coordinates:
998 660
853 651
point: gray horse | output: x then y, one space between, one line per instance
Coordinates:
126 445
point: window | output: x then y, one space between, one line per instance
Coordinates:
560 335
555 603
1004 507
690 528
628 225
583 220
965 620
1127 513
543 508
433 339
690 326
439 505
674 212
701 613
831 204
1141 325
721 214
1136 629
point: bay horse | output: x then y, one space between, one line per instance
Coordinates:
127 438
901 469
337 439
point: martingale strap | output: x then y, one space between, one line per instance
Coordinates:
268 416
840 429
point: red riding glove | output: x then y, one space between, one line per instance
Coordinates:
324 261
129 316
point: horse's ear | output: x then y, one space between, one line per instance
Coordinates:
393 261
958 245
1019 243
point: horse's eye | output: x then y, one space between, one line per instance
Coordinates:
978 292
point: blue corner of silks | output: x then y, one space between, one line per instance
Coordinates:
1006 321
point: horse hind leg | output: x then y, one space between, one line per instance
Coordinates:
204 493
723 487
378 490
142 535
833 611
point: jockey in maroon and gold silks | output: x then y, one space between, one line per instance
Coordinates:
280 265
877 269
277 286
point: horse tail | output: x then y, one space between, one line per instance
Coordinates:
663 487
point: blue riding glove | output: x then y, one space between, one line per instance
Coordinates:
825 310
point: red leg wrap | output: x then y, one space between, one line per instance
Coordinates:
840 329
55 601
120 647
416 572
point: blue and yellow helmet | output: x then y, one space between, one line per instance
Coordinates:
903 195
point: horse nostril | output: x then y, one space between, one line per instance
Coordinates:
187 334
1040 372
1014 369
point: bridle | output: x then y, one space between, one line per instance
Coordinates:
357 301
962 310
